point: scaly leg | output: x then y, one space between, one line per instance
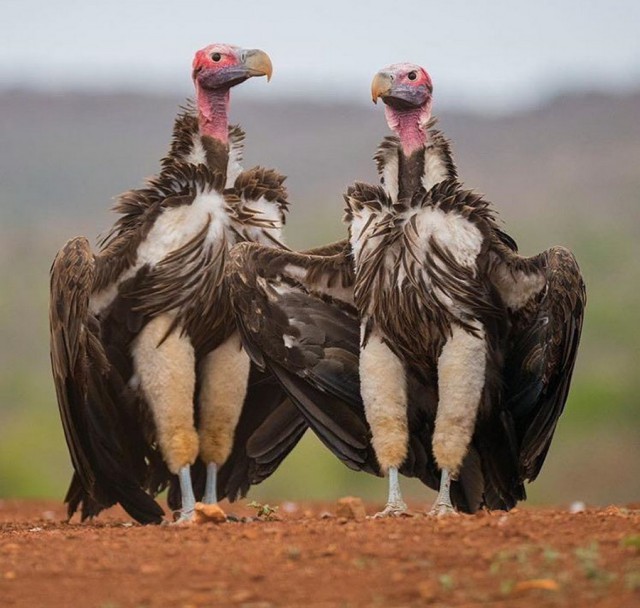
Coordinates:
395 505
443 504
188 498
210 492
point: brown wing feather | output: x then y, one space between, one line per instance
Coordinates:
307 339
90 401
270 424
542 352
72 275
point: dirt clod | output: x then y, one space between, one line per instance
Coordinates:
209 514
351 507
428 590
547 584
242 596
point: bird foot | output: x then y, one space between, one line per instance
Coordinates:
395 509
185 518
442 509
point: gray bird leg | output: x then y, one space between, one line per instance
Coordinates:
443 504
395 505
210 493
188 498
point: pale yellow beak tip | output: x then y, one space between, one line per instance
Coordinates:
259 63
380 86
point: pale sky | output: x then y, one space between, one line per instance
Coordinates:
493 55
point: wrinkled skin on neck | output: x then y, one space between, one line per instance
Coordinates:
213 112
410 125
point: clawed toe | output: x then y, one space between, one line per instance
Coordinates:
184 519
392 510
441 509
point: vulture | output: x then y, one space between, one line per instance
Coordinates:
147 363
426 344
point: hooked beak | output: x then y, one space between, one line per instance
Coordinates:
381 86
257 63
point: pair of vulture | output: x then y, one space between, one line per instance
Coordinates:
194 349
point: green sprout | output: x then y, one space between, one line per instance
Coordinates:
266 512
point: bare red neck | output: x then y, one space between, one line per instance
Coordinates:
213 113
410 126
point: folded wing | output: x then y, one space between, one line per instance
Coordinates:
546 298
96 407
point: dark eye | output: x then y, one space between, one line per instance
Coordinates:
216 56
412 75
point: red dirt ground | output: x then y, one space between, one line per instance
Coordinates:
529 557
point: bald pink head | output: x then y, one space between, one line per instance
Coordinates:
216 69
406 90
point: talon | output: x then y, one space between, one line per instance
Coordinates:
392 510
441 509
185 518
443 505
395 507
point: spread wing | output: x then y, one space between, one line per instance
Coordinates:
546 298
295 325
95 405
270 426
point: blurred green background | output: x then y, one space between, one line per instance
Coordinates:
541 100
565 172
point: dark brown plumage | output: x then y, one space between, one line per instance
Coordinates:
98 411
101 303
412 289
300 317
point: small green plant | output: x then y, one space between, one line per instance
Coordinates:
550 556
446 582
265 512
360 563
506 586
293 553
632 581
589 560
522 554
498 559
631 542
